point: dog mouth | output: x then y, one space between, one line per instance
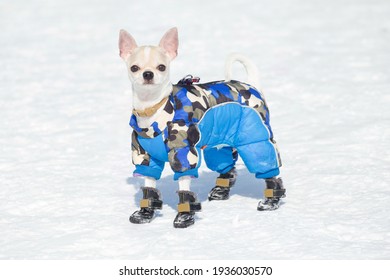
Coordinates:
148 82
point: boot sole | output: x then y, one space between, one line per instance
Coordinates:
218 198
183 225
268 209
139 221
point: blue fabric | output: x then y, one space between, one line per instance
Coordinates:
133 123
234 125
193 172
218 88
180 113
190 172
219 159
220 125
269 174
155 147
153 170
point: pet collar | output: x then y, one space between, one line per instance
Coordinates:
148 112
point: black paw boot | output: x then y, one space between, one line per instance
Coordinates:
151 201
222 185
272 194
187 207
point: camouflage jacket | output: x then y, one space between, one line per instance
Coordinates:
175 137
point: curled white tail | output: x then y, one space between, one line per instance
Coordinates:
251 69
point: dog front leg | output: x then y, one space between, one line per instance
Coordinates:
184 183
188 204
149 182
151 200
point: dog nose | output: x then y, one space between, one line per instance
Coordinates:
148 75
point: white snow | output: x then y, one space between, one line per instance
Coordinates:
65 166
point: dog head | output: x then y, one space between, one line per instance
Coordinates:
148 66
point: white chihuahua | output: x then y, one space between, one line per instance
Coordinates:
173 123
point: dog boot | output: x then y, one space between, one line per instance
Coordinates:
151 201
222 185
273 192
187 207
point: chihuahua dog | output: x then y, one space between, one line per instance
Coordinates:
175 122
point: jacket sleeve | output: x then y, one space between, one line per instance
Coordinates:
145 165
183 156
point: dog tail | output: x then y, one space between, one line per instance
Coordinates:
251 69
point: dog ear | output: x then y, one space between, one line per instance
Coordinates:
170 42
126 44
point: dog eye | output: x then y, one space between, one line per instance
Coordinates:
161 67
134 68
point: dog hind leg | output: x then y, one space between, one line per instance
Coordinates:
273 192
222 160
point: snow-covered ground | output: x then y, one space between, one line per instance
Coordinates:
66 189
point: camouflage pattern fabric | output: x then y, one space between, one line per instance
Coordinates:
178 123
